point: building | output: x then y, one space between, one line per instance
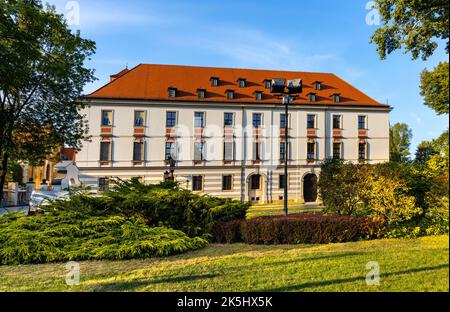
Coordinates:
45 173
226 130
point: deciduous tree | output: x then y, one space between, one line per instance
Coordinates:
42 74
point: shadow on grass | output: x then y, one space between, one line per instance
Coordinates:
304 286
137 283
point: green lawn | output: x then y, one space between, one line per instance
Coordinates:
406 265
259 210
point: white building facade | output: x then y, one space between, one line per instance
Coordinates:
227 134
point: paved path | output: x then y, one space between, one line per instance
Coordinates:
5 210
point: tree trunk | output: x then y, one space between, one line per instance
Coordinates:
3 172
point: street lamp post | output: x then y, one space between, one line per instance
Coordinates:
168 174
279 87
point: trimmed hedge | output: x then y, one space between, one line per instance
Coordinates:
298 229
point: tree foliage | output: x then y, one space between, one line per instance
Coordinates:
434 88
414 25
400 136
42 75
375 190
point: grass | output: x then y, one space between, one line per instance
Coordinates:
406 265
274 209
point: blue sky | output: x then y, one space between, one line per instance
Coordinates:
321 35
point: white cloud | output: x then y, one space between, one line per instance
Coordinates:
416 118
254 49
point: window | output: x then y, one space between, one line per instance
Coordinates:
283 151
362 122
201 93
337 150
257 120
199 119
241 83
171 119
197 183
214 81
228 151
170 151
258 95
337 121
105 151
256 151
227 183
107 116
312 97
172 92
311 121
139 118
283 121
199 151
138 151
362 151
230 94
311 151
336 98
317 85
281 181
267 84
255 182
228 119
103 184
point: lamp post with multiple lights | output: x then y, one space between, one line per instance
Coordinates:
287 92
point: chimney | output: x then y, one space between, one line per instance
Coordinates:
119 74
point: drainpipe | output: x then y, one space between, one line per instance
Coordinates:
244 153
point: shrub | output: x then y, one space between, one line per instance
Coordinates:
161 204
299 229
64 236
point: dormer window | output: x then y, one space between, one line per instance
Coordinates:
172 92
241 83
336 97
318 85
312 97
258 95
201 93
230 95
267 83
214 81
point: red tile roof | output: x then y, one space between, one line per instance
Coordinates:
151 82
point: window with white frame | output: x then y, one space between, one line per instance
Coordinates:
227 182
337 121
107 117
311 150
139 118
228 119
138 151
228 153
199 149
311 121
171 119
337 150
199 119
105 151
362 122
197 183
